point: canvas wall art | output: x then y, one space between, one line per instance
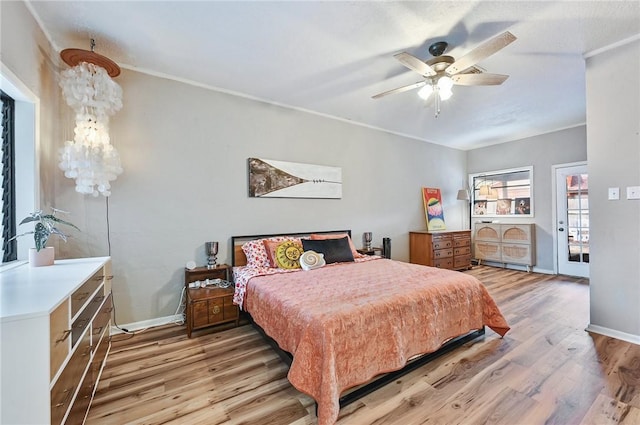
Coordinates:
434 213
281 179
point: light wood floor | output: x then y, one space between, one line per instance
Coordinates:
547 370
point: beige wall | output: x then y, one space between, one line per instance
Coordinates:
613 135
184 151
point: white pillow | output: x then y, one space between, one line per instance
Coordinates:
310 260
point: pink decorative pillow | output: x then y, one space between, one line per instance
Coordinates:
256 254
319 237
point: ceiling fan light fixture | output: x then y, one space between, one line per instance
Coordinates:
445 94
445 83
425 91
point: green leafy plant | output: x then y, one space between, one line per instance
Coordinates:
45 227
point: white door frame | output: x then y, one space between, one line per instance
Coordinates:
554 207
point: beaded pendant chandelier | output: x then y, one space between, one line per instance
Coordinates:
88 89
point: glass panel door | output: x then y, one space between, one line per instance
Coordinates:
573 220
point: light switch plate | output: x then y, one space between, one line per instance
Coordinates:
614 193
633 192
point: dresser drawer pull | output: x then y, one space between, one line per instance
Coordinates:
108 310
98 278
108 277
65 335
98 299
215 309
97 331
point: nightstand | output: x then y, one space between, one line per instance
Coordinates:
211 305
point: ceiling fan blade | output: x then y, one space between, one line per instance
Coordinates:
481 52
400 89
415 64
478 79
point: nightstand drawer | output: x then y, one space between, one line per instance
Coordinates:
216 310
230 310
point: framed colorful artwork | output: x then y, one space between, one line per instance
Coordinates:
432 199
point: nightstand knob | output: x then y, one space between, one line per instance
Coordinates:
216 309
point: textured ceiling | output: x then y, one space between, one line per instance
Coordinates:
331 57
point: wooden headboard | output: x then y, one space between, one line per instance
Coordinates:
237 255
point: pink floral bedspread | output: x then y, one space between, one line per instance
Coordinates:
346 323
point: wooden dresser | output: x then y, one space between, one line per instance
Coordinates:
55 338
446 249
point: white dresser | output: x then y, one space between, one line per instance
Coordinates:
54 339
505 243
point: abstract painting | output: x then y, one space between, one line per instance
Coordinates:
280 179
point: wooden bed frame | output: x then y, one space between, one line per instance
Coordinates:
239 259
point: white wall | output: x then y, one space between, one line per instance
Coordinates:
184 151
542 152
613 122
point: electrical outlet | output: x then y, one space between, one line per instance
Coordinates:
633 192
614 193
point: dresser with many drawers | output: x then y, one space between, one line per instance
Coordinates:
445 249
55 338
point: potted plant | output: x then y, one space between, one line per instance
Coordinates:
46 225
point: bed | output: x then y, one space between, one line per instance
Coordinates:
347 323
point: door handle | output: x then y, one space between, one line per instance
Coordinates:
561 229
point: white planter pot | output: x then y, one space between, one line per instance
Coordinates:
44 257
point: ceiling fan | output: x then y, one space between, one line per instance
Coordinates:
441 72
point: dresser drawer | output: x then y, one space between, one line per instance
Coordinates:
83 320
462 250
64 388
517 254
488 232
461 240
100 354
103 317
59 332
442 244
487 251
82 294
444 263
462 261
82 401
443 253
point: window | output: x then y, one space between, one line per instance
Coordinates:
23 161
9 247
502 193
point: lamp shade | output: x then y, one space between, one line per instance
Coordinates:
463 195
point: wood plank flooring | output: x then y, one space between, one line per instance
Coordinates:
547 370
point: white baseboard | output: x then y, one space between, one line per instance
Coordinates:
634 339
516 267
136 326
